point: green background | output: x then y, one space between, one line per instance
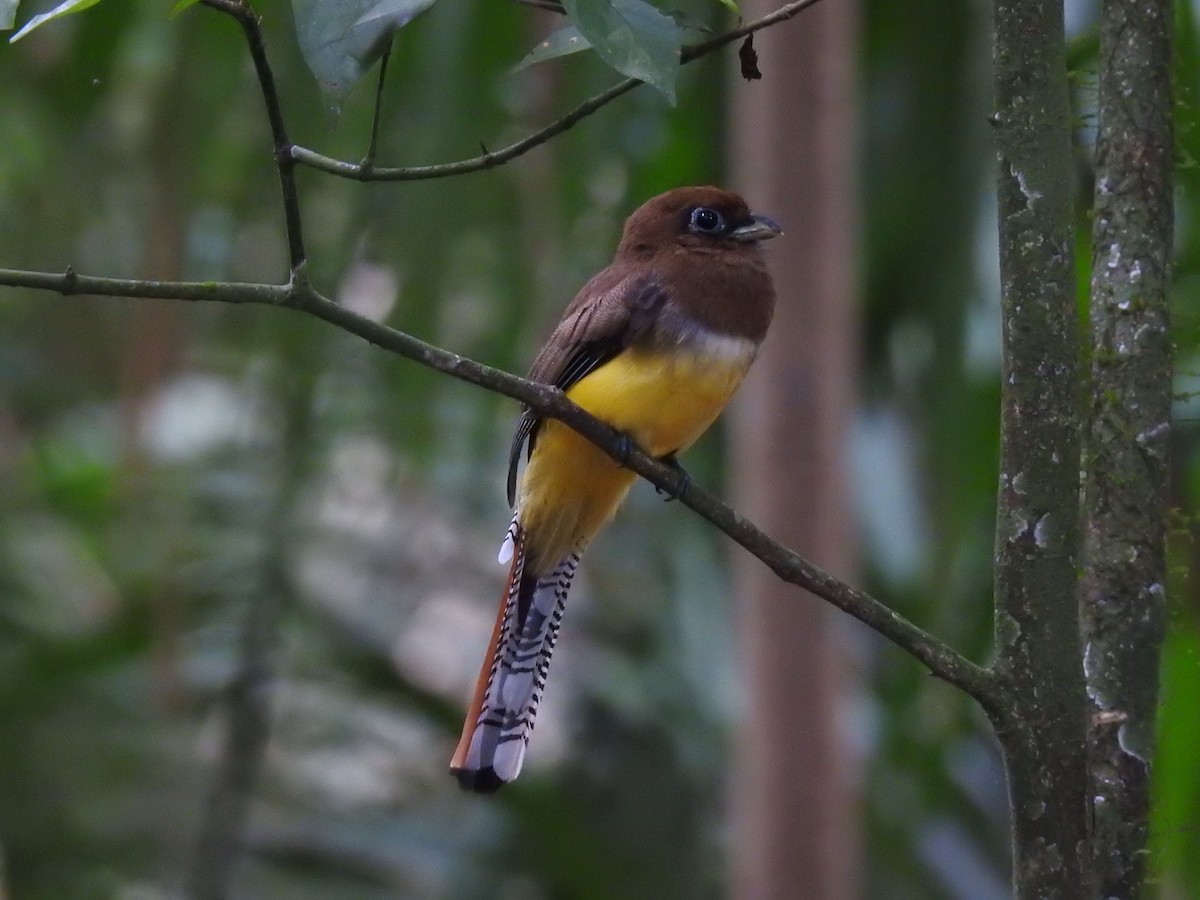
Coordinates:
166 466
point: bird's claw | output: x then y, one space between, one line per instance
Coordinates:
686 482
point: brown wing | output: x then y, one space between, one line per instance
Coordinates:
614 310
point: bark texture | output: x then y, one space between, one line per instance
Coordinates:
1127 458
1042 725
794 791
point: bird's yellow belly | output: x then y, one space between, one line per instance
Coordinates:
663 401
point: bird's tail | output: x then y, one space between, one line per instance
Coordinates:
510 685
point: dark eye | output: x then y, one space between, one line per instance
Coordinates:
706 221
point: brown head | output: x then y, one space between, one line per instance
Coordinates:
702 243
702 219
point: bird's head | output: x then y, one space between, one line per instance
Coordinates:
695 218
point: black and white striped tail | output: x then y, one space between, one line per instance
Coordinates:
512 680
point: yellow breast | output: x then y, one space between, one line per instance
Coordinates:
664 400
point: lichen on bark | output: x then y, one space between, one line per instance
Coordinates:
1127 473
1038 651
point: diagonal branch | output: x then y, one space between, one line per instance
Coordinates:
942 660
490 160
297 294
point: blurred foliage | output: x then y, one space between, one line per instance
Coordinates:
144 448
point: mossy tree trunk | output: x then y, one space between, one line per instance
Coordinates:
1080 679
1040 718
1127 453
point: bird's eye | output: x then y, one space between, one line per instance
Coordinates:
706 221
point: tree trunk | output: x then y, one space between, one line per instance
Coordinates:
1042 723
1127 462
794 783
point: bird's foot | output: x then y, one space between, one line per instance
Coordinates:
685 483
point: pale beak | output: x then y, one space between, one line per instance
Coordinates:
759 228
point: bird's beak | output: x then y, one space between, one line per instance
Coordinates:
759 228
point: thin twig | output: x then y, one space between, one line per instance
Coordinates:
941 659
498 157
368 162
286 164
487 160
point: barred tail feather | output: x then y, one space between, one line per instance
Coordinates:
513 677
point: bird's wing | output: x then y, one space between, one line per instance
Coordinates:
614 310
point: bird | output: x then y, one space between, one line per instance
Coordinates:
655 345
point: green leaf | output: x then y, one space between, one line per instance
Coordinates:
341 39
563 42
633 37
63 9
8 13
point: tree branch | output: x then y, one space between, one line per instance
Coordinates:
491 160
240 10
368 162
298 294
488 160
942 660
